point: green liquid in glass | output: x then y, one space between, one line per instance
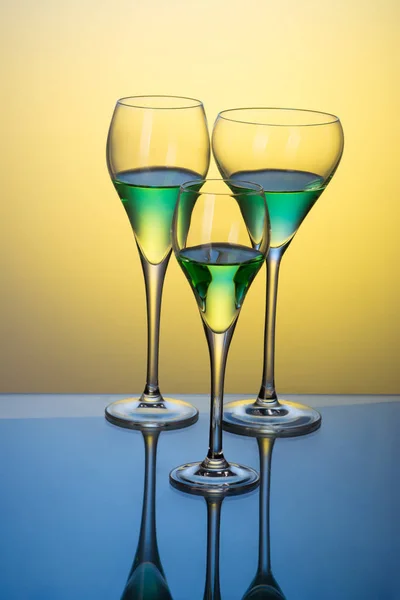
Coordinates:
149 197
220 275
289 195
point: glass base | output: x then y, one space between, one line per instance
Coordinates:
134 413
194 478
280 419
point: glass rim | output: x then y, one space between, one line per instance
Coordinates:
124 102
331 118
253 189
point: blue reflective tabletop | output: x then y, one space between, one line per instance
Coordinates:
72 491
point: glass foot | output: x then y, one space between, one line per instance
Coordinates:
134 413
281 419
194 478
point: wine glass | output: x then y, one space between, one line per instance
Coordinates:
293 154
155 143
220 237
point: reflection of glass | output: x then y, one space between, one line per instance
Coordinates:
264 585
214 499
146 579
293 155
155 143
220 238
212 587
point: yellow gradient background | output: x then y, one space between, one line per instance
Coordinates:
72 315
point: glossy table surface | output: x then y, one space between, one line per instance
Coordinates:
72 491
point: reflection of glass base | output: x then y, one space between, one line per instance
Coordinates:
134 413
194 478
283 419
263 592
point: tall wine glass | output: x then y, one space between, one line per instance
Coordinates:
155 143
293 154
220 237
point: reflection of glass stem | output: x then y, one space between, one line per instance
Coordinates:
147 550
146 579
154 276
265 446
267 396
212 589
264 584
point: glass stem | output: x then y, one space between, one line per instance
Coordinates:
267 395
154 276
212 588
218 345
147 550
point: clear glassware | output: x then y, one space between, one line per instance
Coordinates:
220 237
292 154
155 143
